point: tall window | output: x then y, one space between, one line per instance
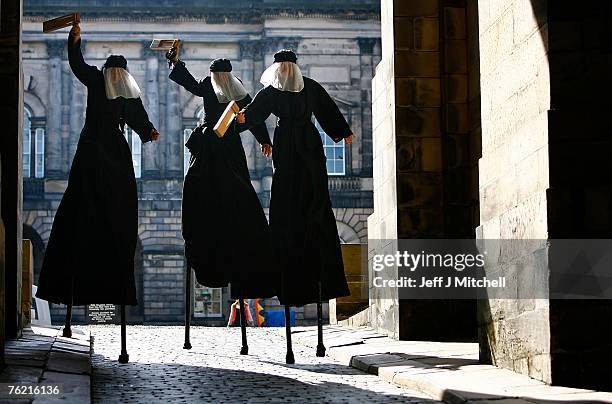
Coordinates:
207 301
33 146
186 153
27 143
39 153
335 153
136 147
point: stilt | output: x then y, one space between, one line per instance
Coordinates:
187 344
67 332
124 357
289 359
320 346
245 346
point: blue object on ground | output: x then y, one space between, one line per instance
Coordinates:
276 318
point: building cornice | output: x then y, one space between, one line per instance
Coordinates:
237 11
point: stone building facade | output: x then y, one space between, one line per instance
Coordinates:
337 44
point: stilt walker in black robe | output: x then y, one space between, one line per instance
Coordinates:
224 226
90 255
303 226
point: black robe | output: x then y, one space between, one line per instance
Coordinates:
303 226
90 254
224 226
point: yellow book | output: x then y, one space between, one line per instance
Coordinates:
226 118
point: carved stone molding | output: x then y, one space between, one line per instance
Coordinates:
57 49
277 43
252 49
366 45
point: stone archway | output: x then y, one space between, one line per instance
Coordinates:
38 250
347 234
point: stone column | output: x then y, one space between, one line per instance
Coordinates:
66 112
364 139
53 141
247 52
173 143
77 115
150 153
417 187
162 87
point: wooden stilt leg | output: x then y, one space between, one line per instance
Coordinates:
67 332
245 346
320 346
124 357
187 344
289 359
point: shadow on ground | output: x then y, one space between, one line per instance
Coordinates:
169 382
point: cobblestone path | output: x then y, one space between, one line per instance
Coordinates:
160 370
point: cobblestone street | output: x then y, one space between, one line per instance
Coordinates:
160 370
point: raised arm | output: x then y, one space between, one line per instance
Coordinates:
84 72
328 114
136 117
182 77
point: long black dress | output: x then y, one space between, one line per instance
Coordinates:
90 255
224 226
303 226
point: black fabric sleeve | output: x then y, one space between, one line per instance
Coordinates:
182 77
259 130
259 109
328 114
136 117
84 72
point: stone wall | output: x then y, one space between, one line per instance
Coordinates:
514 177
425 182
11 159
382 224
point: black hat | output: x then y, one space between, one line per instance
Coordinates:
116 61
285 55
221 65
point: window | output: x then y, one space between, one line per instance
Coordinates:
39 153
207 301
33 145
136 147
334 152
27 143
186 153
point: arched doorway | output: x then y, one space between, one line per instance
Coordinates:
38 250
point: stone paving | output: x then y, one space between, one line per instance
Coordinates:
447 371
42 357
160 370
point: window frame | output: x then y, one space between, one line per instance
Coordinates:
197 313
33 143
134 142
329 144
27 144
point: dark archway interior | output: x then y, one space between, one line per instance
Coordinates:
38 250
